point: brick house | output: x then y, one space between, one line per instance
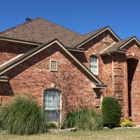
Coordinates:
65 71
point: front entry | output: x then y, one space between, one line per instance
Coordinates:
131 68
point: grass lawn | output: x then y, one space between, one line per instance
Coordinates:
80 135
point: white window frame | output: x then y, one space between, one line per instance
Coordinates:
105 37
47 105
94 66
51 69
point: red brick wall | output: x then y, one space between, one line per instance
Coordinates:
9 50
135 85
95 47
120 78
33 77
121 82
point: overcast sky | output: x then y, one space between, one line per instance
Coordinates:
82 16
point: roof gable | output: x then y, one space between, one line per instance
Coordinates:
129 41
42 31
96 33
40 48
119 46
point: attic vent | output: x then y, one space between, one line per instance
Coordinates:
53 65
106 37
28 19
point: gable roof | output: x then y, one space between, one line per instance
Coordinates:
94 34
22 58
42 31
119 46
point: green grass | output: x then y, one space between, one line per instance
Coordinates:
80 135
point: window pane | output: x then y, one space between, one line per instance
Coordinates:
52 115
52 105
94 64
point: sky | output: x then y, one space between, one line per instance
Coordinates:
82 16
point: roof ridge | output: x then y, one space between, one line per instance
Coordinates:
96 30
62 26
127 38
19 25
41 19
127 41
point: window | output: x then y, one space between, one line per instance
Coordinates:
52 105
53 65
105 37
94 65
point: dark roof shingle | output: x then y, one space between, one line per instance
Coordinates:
115 47
42 31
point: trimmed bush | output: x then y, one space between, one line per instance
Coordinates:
22 115
111 111
127 123
84 119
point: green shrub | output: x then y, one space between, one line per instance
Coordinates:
84 119
127 123
52 125
111 111
0 117
22 115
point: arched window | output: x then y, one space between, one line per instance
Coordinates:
52 105
94 64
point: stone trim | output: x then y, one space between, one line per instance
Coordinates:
62 130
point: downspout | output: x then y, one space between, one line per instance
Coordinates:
112 74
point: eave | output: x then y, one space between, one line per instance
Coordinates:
76 49
120 47
40 48
114 51
19 41
132 39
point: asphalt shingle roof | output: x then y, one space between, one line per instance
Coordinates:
116 46
42 31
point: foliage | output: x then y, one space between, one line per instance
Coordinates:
0 117
22 115
52 125
127 123
111 111
84 119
